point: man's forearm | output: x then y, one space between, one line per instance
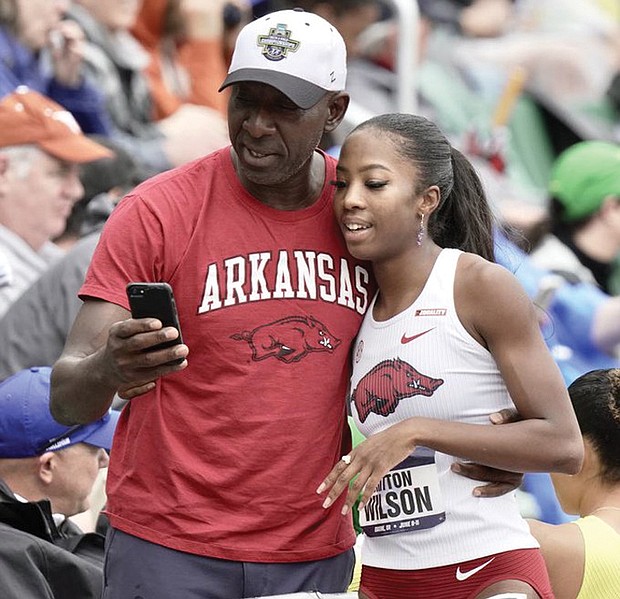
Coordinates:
79 392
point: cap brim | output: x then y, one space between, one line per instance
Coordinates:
102 431
301 92
75 148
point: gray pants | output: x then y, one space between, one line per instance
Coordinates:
137 569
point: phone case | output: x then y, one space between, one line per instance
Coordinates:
155 300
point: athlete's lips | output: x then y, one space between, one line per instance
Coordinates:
355 225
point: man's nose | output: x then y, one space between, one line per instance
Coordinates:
73 185
259 123
104 458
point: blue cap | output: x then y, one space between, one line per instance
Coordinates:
27 428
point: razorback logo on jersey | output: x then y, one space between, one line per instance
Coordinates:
381 389
289 339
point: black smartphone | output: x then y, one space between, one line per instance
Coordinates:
155 300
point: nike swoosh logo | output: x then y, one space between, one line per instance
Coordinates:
406 339
465 575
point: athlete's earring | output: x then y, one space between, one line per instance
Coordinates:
420 230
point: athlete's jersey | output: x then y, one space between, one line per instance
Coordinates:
423 362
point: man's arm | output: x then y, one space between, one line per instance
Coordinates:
105 354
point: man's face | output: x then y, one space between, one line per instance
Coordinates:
272 137
36 18
38 200
76 468
115 15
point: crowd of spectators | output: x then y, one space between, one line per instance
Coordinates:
98 95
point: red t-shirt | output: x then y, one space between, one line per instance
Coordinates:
223 458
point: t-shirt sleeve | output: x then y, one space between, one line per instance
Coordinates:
131 249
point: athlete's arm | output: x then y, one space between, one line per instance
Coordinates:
104 354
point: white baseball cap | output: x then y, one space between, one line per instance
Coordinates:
299 53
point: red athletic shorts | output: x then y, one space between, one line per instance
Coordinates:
458 581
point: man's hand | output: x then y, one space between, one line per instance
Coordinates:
133 363
67 43
499 482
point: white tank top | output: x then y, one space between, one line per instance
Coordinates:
422 362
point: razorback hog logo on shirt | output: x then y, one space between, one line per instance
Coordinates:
289 339
387 383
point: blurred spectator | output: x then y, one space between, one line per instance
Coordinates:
580 322
583 242
185 41
493 37
473 18
41 146
350 17
105 181
46 474
115 64
583 557
35 327
237 14
41 51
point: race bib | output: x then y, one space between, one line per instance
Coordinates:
407 499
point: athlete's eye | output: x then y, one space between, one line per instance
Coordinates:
376 183
338 184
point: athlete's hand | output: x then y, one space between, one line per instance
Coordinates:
499 482
366 465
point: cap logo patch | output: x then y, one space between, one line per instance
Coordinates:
277 43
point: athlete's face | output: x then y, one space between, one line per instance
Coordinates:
273 138
376 204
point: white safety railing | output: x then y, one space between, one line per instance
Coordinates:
408 19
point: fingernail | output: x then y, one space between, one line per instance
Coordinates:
344 510
327 502
360 507
320 489
477 493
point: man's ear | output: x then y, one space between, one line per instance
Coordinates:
610 204
45 467
338 104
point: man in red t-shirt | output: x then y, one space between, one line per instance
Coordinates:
217 458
